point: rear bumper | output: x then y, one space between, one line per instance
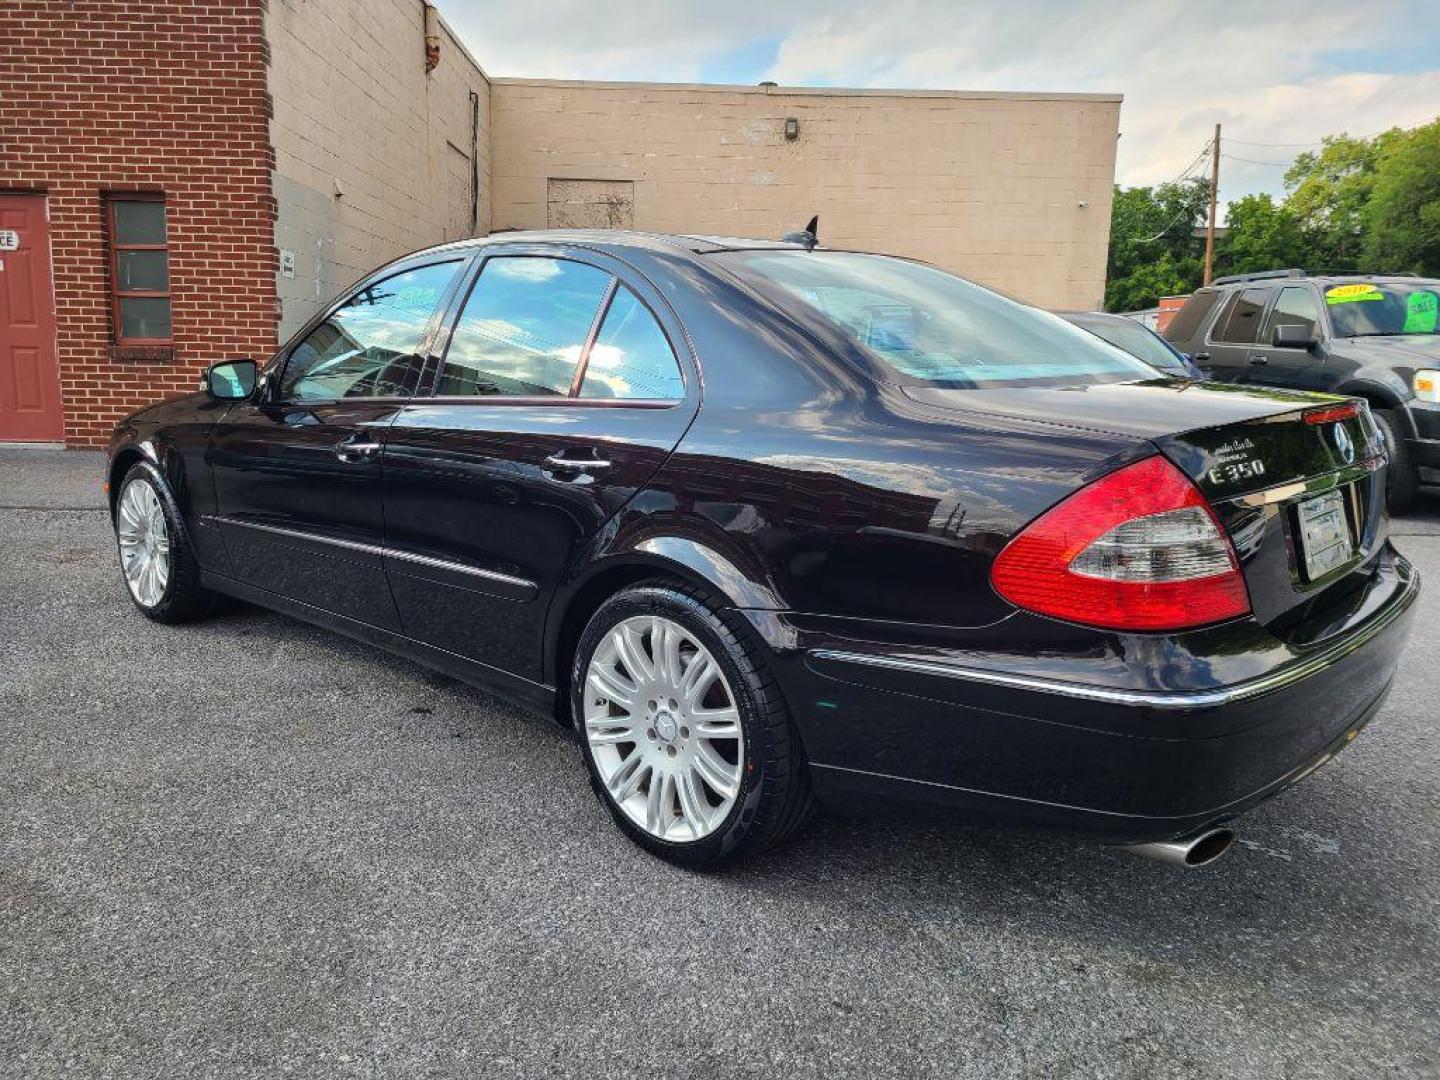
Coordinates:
1117 762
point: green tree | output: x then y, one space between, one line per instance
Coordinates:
1402 216
1260 235
1354 205
1153 250
1328 192
1143 286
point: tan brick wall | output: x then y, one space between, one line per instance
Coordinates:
987 185
372 153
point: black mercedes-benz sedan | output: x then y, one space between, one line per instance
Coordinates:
768 524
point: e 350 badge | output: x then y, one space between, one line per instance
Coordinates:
1233 463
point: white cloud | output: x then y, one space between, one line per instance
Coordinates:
1270 72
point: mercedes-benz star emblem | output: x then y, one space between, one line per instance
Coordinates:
1343 444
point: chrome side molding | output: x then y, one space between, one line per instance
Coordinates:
380 551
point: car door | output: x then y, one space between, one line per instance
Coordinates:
297 469
1294 305
1226 354
564 386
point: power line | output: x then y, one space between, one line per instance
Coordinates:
1321 142
1248 142
1166 229
1199 159
1252 161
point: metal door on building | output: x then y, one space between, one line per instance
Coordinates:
29 369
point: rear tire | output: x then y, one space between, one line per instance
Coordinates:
157 560
1402 480
646 763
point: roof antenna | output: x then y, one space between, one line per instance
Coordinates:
808 237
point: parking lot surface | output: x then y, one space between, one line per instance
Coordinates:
251 848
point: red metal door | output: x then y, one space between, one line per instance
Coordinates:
29 369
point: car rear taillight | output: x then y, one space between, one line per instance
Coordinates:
1139 549
1332 414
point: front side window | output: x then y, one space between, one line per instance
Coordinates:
524 328
631 357
1295 306
1241 320
139 270
369 345
920 324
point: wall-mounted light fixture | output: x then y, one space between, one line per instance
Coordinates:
792 129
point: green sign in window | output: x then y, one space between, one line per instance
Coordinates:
1420 311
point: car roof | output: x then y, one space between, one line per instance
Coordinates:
1293 277
617 239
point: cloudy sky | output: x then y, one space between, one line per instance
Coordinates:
1278 74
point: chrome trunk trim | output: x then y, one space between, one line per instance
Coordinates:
1159 699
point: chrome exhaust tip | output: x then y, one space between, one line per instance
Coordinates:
1192 852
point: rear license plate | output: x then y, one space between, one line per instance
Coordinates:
1325 539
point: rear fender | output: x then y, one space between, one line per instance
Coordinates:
628 560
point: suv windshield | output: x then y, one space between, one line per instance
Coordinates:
925 325
1362 309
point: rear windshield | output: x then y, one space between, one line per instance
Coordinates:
1364 309
923 325
1188 319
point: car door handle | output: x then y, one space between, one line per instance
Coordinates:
1259 361
561 463
1200 357
353 449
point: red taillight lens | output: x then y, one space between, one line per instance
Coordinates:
1331 414
1139 549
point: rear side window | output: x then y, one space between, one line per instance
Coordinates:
523 328
917 324
1295 306
1190 318
631 358
367 347
1239 323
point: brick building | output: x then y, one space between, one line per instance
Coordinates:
184 181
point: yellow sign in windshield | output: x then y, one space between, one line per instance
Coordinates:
1346 294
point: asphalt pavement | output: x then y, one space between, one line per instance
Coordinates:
250 848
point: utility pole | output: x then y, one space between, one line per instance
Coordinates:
1214 191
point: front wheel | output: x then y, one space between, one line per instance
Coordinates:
155 556
684 732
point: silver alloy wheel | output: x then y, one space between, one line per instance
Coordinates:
663 728
144 542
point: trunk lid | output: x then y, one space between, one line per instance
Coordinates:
1303 501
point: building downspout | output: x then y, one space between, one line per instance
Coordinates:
474 163
432 38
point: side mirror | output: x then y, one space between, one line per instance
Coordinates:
231 380
1291 336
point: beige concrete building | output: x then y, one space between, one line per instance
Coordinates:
394 137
